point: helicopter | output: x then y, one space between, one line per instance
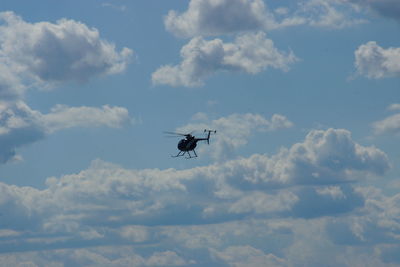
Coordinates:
189 143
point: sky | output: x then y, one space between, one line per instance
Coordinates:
304 167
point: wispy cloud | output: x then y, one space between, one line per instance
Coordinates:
389 125
121 8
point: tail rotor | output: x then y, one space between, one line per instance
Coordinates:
209 133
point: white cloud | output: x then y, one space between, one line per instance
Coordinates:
251 53
390 125
166 258
376 223
20 125
241 256
45 53
387 8
62 117
375 62
171 196
261 203
93 256
95 211
394 107
121 8
211 17
235 130
11 87
328 14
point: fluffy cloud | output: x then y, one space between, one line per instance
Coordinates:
20 125
377 223
251 53
235 130
204 194
210 17
219 17
48 53
375 62
44 55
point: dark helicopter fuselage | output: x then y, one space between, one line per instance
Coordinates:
188 144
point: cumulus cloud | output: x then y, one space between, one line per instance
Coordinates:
375 62
251 53
20 125
247 20
44 55
11 87
210 17
47 53
252 199
376 224
203 194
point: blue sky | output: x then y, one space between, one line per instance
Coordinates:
303 170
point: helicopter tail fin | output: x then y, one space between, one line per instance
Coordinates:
208 135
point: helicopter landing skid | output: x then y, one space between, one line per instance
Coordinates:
180 154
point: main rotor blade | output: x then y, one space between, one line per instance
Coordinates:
181 134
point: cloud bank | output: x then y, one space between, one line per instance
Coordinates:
218 192
217 214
